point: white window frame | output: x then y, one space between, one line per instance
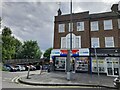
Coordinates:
109 41
94 26
95 43
61 28
108 25
69 27
119 23
78 42
80 26
63 42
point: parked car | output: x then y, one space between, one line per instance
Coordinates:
31 67
9 68
45 67
20 67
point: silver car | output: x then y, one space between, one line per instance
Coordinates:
20 68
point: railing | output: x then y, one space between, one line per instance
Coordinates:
22 61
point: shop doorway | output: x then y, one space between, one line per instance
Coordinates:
60 63
73 64
112 67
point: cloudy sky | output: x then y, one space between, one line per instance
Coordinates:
34 20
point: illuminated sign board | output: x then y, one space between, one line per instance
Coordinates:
84 52
80 52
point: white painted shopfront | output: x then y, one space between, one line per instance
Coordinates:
108 65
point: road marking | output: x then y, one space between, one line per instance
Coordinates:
14 79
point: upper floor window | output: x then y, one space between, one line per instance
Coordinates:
119 23
61 27
63 42
109 42
95 42
70 27
94 26
78 42
108 25
80 26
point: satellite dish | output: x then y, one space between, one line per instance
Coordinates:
119 5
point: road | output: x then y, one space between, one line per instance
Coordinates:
8 81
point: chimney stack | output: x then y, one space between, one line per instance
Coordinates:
59 12
114 8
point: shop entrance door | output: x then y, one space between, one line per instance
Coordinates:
112 68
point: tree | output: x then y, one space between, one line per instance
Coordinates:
8 48
31 50
47 53
18 49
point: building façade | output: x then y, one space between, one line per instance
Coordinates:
90 32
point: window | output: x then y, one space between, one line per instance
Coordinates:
77 42
63 42
69 27
108 25
61 27
109 42
68 42
119 23
95 42
94 26
80 26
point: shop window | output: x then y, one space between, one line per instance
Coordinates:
61 28
109 42
94 26
108 25
101 62
60 63
80 26
81 64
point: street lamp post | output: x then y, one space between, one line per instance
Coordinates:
118 13
69 51
97 62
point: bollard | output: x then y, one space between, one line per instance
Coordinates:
28 72
40 69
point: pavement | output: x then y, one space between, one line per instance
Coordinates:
58 78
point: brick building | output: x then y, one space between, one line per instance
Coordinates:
100 31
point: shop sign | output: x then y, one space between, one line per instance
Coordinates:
84 52
74 51
55 52
63 51
80 52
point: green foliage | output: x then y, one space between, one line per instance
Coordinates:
6 31
31 50
12 48
47 53
8 48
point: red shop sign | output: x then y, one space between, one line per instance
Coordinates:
65 51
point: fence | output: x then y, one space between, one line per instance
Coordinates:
22 61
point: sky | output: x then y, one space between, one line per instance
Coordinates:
34 19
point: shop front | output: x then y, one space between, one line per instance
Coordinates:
112 66
108 61
79 59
